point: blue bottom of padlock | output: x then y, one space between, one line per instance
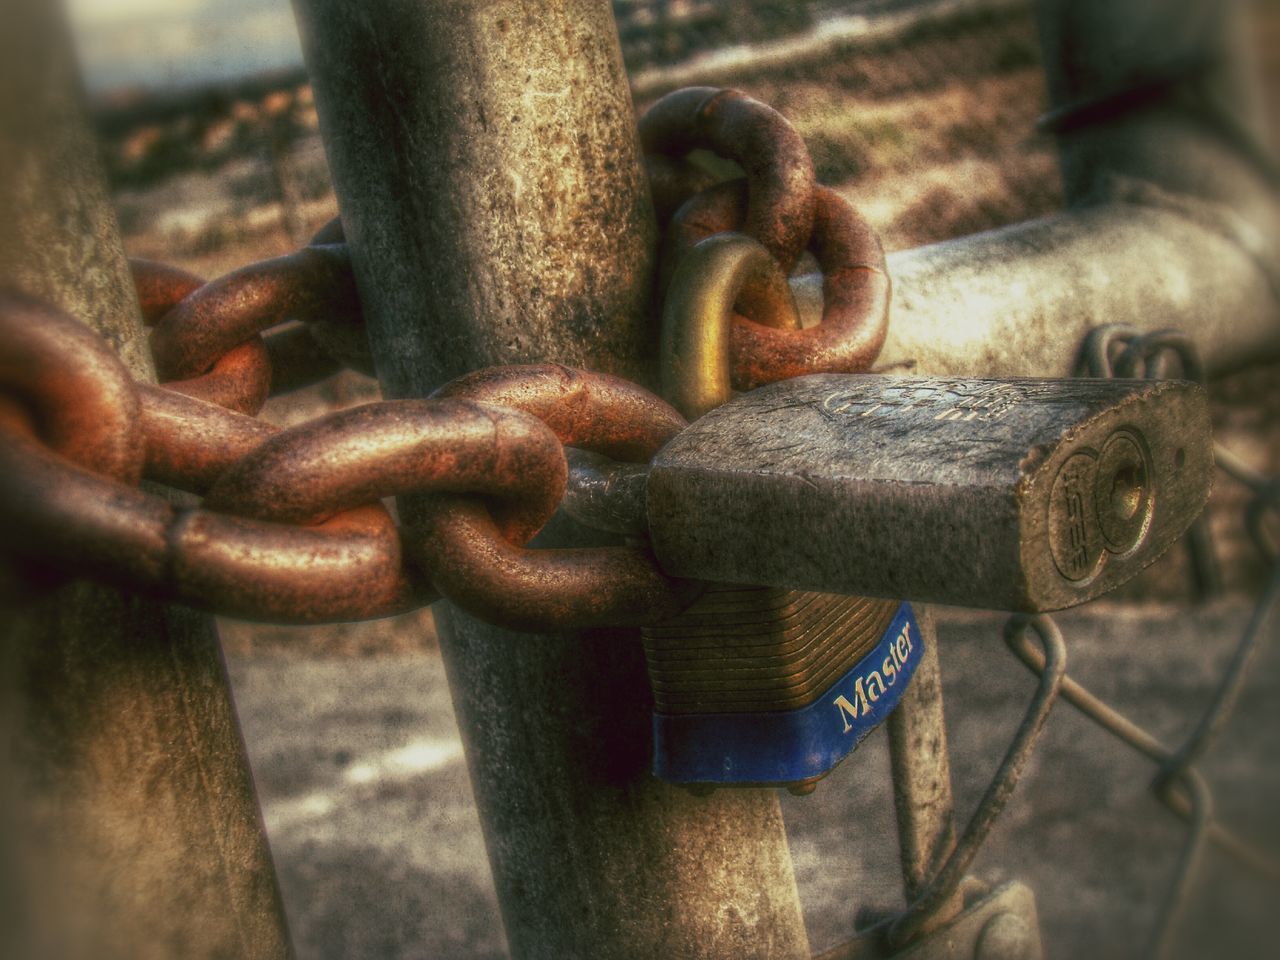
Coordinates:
797 745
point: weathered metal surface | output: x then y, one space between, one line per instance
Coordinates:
531 172
191 442
75 388
1021 495
757 685
311 284
922 773
998 925
779 172
128 822
607 414
391 448
606 494
490 182
697 317
62 499
460 548
851 329
1175 220
1019 301
750 649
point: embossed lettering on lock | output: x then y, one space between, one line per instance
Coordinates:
1018 494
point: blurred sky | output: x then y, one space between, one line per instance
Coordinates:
168 44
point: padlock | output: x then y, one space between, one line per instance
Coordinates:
1024 495
753 685
771 686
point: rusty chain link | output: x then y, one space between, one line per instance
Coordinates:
291 528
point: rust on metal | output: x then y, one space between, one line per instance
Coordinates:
240 379
53 509
471 563
348 568
190 442
598 411
781 177
314 283
855 289
161 287
403 446
79 394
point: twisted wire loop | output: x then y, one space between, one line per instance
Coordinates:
1178 784
916 918
465 555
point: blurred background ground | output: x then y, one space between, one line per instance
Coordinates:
210 137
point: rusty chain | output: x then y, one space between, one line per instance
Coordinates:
291 527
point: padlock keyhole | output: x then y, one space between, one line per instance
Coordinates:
1127 487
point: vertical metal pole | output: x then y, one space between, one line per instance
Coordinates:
128 821
922 774
487 168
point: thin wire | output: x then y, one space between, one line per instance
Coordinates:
1002 785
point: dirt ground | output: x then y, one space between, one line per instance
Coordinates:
375 835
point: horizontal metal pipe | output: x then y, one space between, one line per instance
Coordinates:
1018 301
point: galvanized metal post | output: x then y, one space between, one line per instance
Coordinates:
487 168
128 821
922 772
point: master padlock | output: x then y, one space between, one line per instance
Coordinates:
773 686
759 685
1021 494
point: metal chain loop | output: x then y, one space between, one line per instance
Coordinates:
79 398
781 207
291 529
855 286
240 379
471 563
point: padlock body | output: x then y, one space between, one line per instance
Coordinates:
1015 494
766 686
